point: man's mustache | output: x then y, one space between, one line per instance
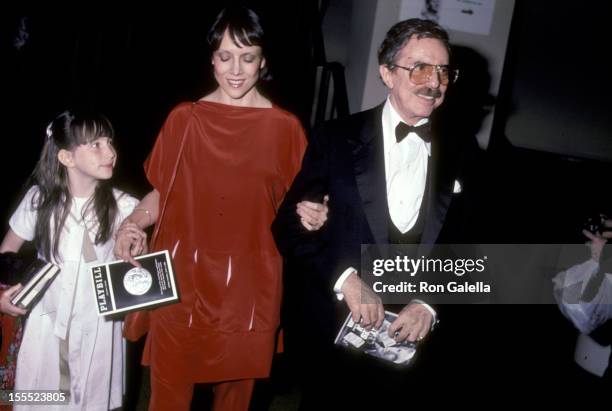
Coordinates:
429 92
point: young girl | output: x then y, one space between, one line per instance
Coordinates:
71 212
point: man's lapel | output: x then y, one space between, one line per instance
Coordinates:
369 168
439 196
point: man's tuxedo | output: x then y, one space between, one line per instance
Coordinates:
344 159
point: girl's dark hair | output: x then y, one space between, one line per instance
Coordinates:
400 33
54 201
244 28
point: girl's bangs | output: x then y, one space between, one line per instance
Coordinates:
92 129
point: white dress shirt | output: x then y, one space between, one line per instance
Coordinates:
405 170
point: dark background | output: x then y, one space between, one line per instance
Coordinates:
559 96
135 65
552 90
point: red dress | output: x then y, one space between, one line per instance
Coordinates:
233 172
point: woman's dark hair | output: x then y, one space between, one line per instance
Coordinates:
400 33
54 200
244 28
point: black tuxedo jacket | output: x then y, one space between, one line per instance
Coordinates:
345 159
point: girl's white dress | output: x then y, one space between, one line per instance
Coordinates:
67 313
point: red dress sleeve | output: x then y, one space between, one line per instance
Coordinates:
160 162
297 147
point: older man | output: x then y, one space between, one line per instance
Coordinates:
386 186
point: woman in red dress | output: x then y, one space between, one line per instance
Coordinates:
220 168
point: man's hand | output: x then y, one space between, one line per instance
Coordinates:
366 307
313 215
412 324
131 241
5 301
597 241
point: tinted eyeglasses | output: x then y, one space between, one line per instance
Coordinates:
421 73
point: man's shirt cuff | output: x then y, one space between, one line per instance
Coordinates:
340 282
429 308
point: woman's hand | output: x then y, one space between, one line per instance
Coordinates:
130 242
5 301
313 215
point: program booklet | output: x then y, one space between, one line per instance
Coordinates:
119 286
377 343
37 277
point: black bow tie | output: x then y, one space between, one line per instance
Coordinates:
402 130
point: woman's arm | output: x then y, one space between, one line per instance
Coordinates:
146 212
131 240
599 240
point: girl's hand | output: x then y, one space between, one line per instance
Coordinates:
5 301
131 241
